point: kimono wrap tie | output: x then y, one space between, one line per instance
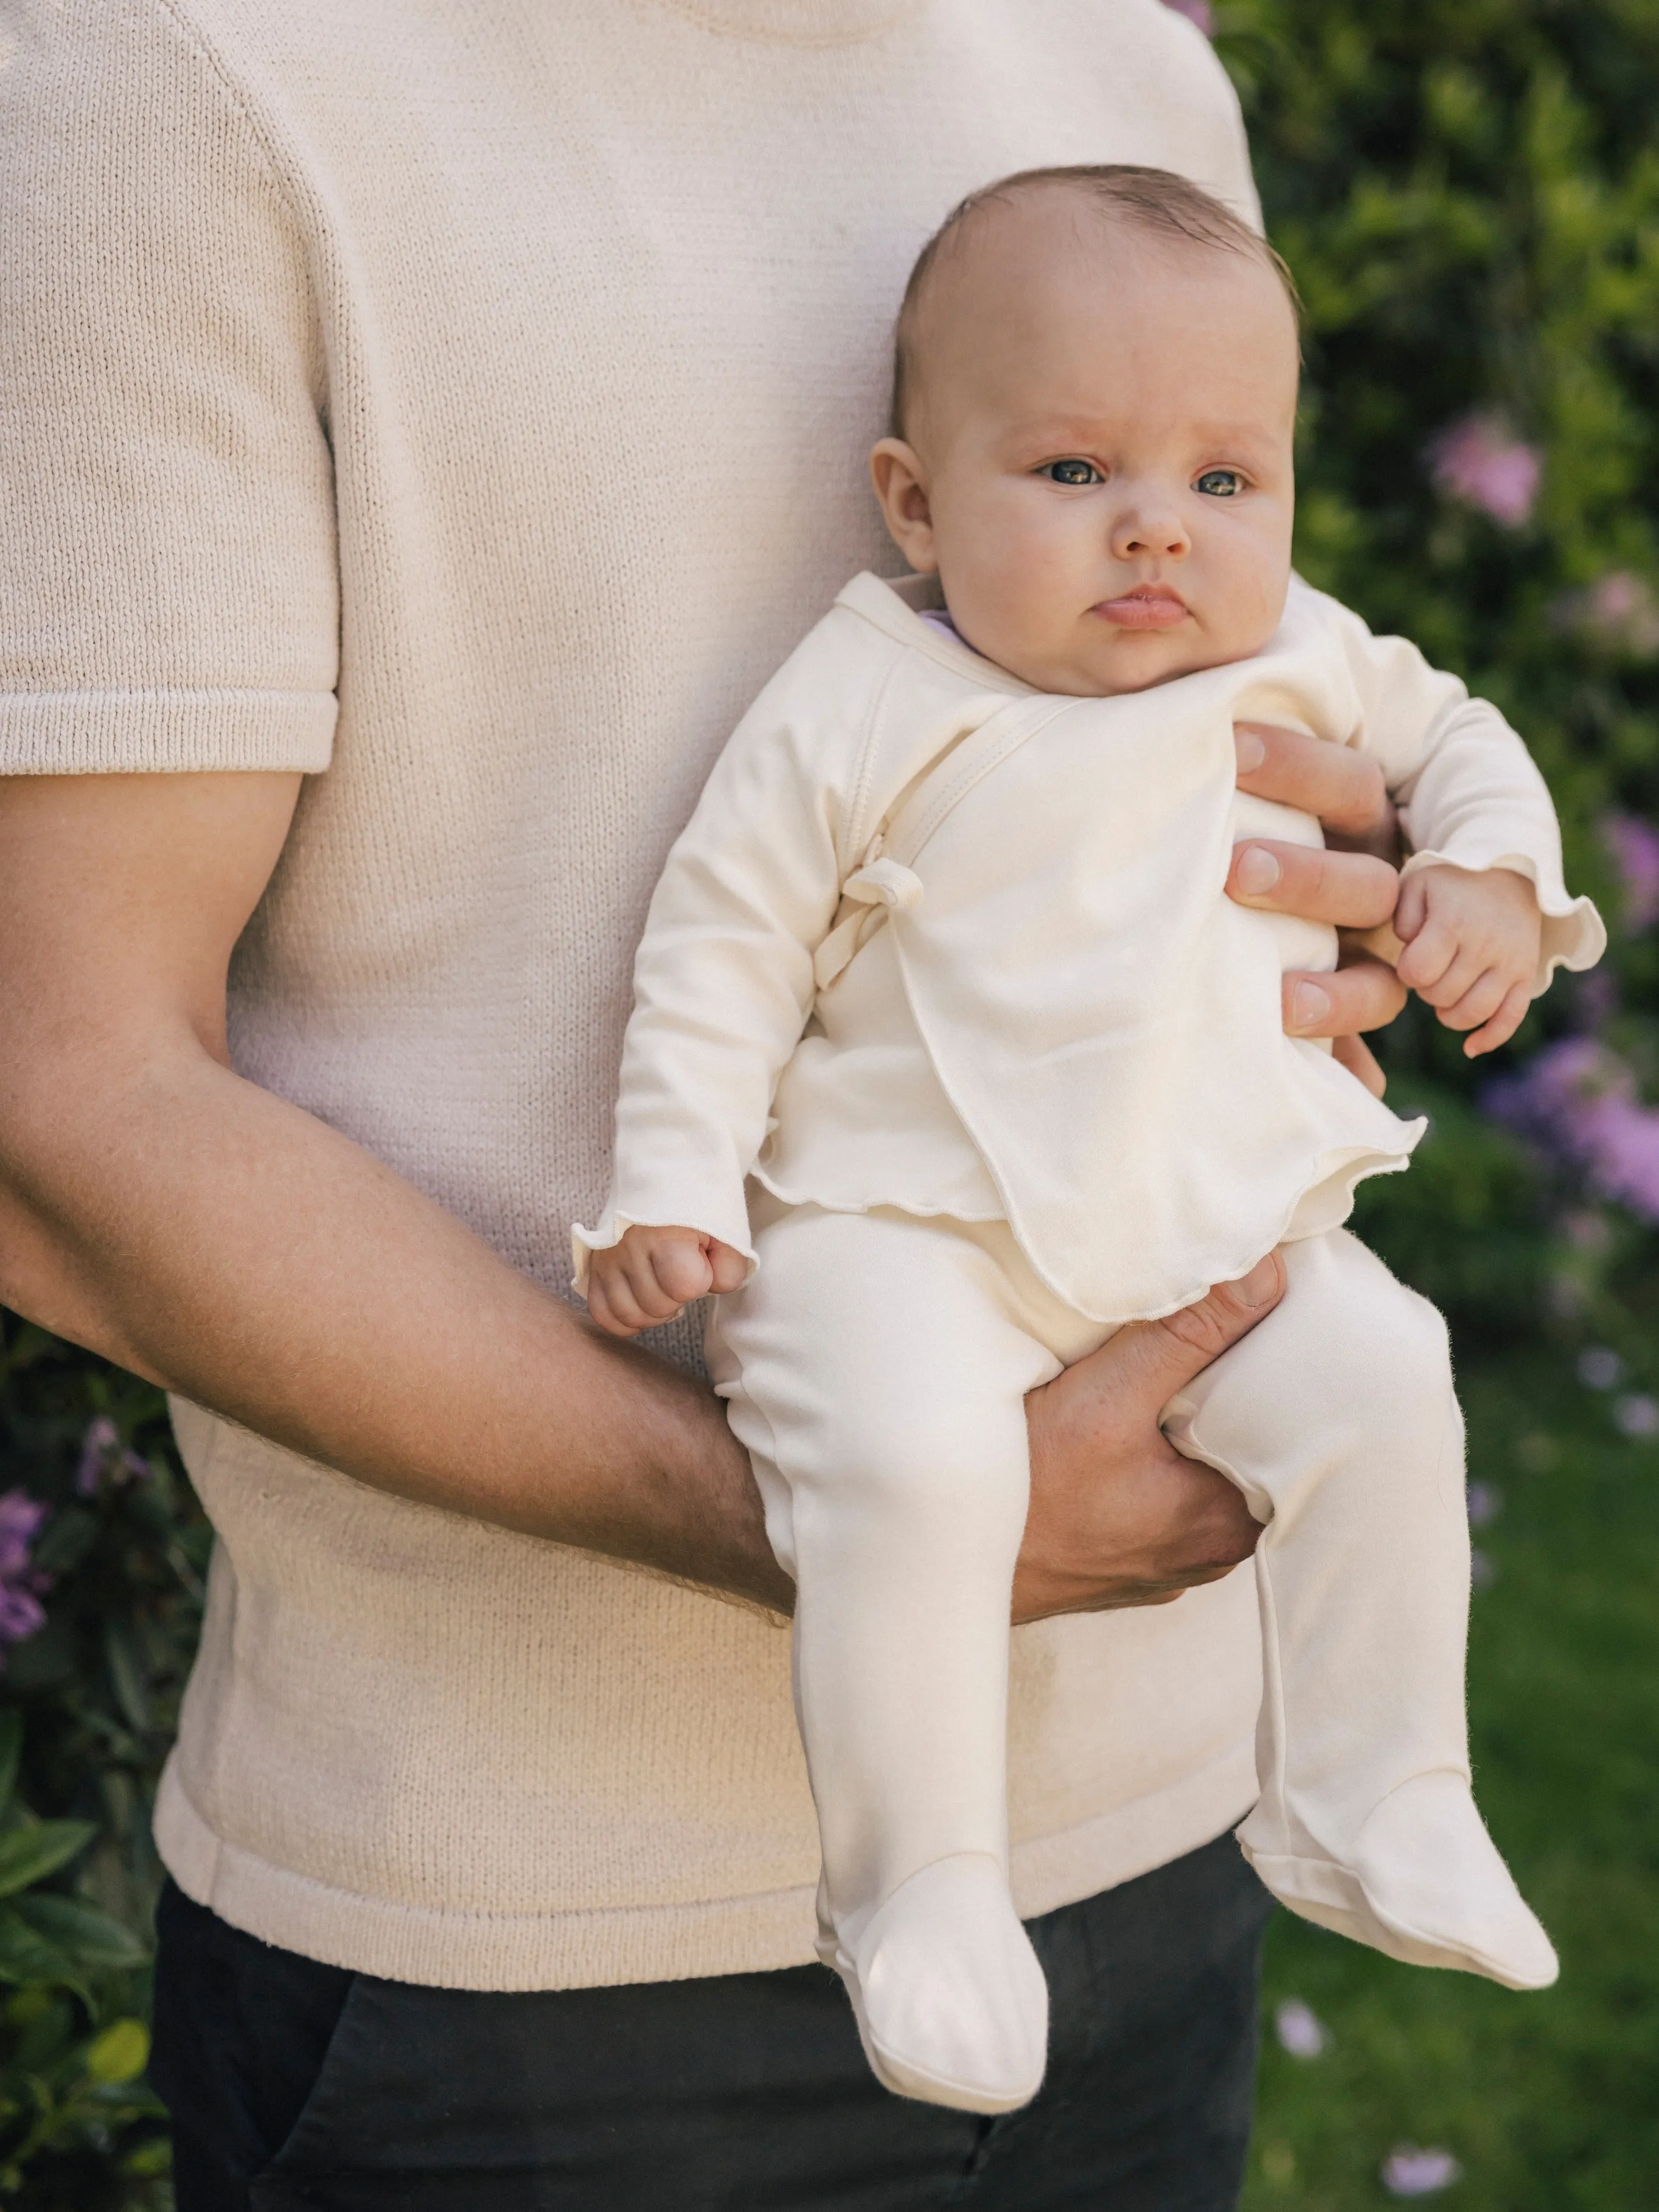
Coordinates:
877 885
883 883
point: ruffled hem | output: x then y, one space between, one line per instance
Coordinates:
1323 1202
1575 936
924 1210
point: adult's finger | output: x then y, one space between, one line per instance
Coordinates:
1117 1516
1366 995
1162 1357
1345 790
1356 1057
1353 891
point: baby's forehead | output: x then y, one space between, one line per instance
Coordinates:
1004 246
1051 288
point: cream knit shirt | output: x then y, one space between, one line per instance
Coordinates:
503 370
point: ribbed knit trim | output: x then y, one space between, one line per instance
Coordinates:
796 22
130 732
647 1943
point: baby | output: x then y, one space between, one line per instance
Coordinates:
950 1055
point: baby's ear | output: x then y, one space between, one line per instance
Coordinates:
900 481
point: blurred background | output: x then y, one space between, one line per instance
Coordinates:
1468 194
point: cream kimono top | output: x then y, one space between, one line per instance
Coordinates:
935 941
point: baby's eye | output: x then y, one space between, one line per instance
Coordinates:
1220 483
1071 472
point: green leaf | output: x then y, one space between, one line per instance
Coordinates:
11 1749
120 2053
128 1677
27 1955
37 1848
89 1938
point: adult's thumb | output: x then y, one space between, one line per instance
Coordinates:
1166 1354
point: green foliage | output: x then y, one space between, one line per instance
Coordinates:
1469 194
90 1706
77 2125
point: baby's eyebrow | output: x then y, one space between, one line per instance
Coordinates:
1056 434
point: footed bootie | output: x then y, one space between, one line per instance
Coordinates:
951 2004
1425 1883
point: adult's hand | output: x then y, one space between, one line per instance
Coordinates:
1351 883
1117 1515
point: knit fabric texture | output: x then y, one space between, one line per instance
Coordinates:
468 407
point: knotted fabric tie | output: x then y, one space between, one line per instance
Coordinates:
878 885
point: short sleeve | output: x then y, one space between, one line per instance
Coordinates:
168 582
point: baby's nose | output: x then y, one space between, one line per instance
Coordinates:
1150 530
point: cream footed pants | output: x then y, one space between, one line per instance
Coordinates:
876 1367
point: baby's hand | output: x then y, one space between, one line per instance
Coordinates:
1471 950
651 1273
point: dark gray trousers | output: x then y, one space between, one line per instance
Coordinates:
296 2085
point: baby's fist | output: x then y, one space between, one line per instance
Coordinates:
648 1276
1472 942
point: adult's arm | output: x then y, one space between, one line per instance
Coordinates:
161 1211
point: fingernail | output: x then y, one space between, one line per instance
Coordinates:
1250 750
1261 1284
1309 1004
1258 871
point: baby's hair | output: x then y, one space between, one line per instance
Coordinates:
1154 200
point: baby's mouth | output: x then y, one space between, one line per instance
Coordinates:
1148 606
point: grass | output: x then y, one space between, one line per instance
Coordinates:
1549 2102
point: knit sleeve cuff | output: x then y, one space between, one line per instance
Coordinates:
1574 936
97 732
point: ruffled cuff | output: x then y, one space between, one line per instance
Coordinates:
616 1224
1575 936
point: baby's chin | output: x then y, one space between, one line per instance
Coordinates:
1094 667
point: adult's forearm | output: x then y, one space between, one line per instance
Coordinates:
218 1240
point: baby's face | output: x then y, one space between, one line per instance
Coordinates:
1098 463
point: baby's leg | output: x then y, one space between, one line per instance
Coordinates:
877 1370
1337 1419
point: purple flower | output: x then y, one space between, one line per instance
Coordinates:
1637 1415
1485 1502
1618 611
1408 2171
1477 461
102 1453
1300 2030
20 1611
1634 845
1196 11
1578 1103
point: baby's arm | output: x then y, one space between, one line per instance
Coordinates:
723 985
1472 944
1483 911
647 1276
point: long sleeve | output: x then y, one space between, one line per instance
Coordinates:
723 979
1470 794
